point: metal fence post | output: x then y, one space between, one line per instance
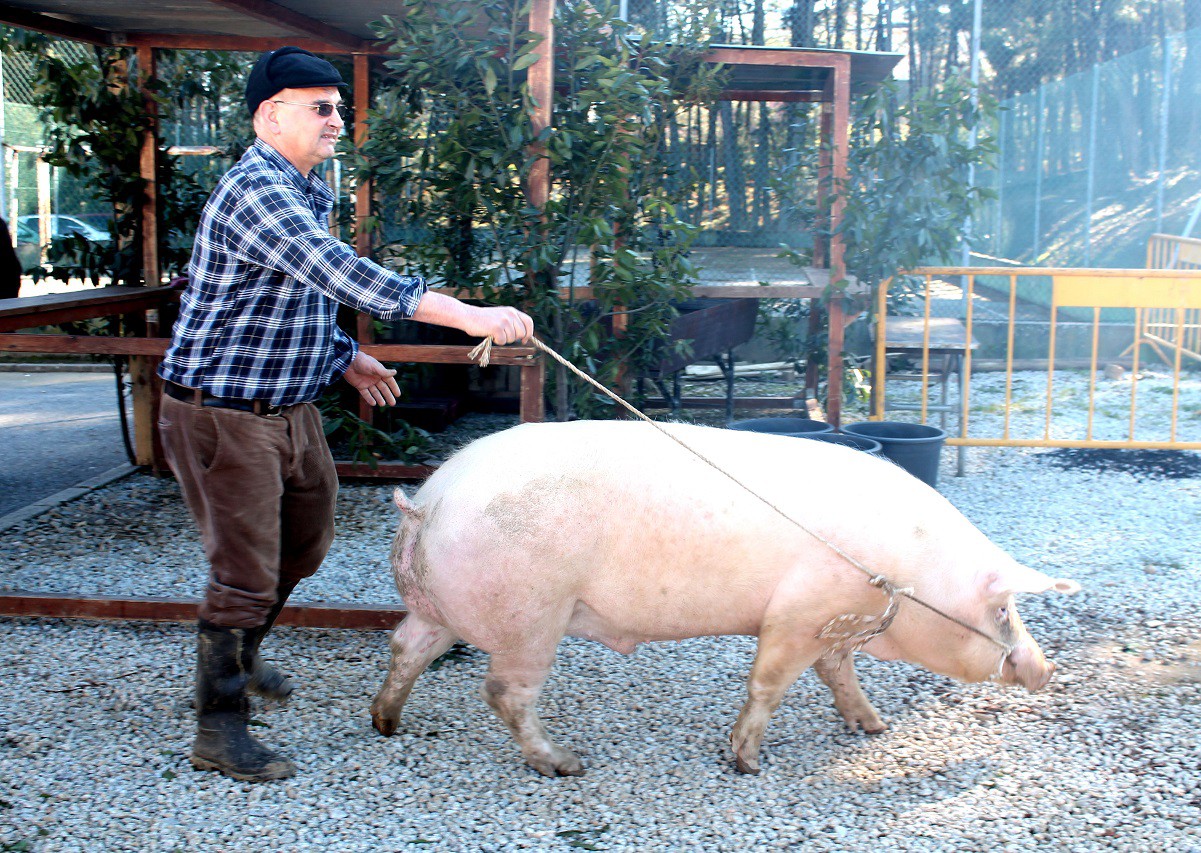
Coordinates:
1092 166
1038 168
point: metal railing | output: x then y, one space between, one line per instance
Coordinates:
1105 317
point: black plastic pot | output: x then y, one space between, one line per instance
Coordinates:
856 442
785 426
915 447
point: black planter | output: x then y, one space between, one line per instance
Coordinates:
857 442
915 447
784 426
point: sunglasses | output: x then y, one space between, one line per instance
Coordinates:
324 109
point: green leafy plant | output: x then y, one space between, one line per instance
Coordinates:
453 145
359 441
908 195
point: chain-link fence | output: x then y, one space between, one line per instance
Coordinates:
1090 166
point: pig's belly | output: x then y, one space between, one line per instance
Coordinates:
625 634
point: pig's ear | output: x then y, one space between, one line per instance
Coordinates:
1018 578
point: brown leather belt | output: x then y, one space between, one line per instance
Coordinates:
198 397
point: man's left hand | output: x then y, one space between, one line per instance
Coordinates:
374 381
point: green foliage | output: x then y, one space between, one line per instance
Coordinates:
908 195
359 441
453 144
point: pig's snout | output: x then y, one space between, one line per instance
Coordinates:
1028 667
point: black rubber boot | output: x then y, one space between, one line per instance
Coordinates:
223 743
266 680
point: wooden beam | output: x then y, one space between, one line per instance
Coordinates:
52 26
364 327
783 57
771 95
274 13
443 354
27 312
151 275
84 344
325 615
382 471
250 44
541 82
415 353
838 142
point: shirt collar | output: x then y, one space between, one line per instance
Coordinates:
312 183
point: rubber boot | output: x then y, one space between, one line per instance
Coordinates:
266 680
223 743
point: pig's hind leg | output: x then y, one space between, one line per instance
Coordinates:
515 678
838 673
415 644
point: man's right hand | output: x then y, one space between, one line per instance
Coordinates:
503 324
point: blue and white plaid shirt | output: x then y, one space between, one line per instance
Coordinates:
257 320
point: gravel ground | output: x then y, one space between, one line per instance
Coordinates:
95 723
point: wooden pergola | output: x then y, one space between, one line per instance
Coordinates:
827 77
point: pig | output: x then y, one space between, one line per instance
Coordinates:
614 532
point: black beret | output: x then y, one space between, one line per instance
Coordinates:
288 68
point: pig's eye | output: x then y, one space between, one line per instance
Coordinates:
1002 614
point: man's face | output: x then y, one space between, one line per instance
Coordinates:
294 126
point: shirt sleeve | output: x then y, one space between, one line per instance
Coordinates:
272 225
346 349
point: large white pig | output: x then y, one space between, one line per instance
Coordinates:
611 531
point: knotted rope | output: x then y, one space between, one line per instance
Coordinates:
837 629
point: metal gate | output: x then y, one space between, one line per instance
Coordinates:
1035 357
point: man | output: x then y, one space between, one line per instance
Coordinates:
256 343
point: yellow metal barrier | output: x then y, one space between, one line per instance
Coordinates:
1165 252
1131 301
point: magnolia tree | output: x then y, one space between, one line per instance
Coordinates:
452 146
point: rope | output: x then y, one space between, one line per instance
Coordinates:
482 353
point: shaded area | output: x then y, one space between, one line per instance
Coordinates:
1143 464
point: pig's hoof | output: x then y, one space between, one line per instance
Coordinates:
560 762
386 726
876 728
746 766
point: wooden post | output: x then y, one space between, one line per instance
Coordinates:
837 142
821 241
143 370
364 330
541 82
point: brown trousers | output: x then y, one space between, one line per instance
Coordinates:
262 491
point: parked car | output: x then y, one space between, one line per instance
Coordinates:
29 234
61 225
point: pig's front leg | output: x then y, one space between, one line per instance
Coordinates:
511 688
838 673
786 649
415 643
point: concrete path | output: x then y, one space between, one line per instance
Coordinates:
57 430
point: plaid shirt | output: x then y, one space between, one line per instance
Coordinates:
257 320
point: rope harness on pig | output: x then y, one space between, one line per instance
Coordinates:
841 629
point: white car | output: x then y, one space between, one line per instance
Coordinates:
29 228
